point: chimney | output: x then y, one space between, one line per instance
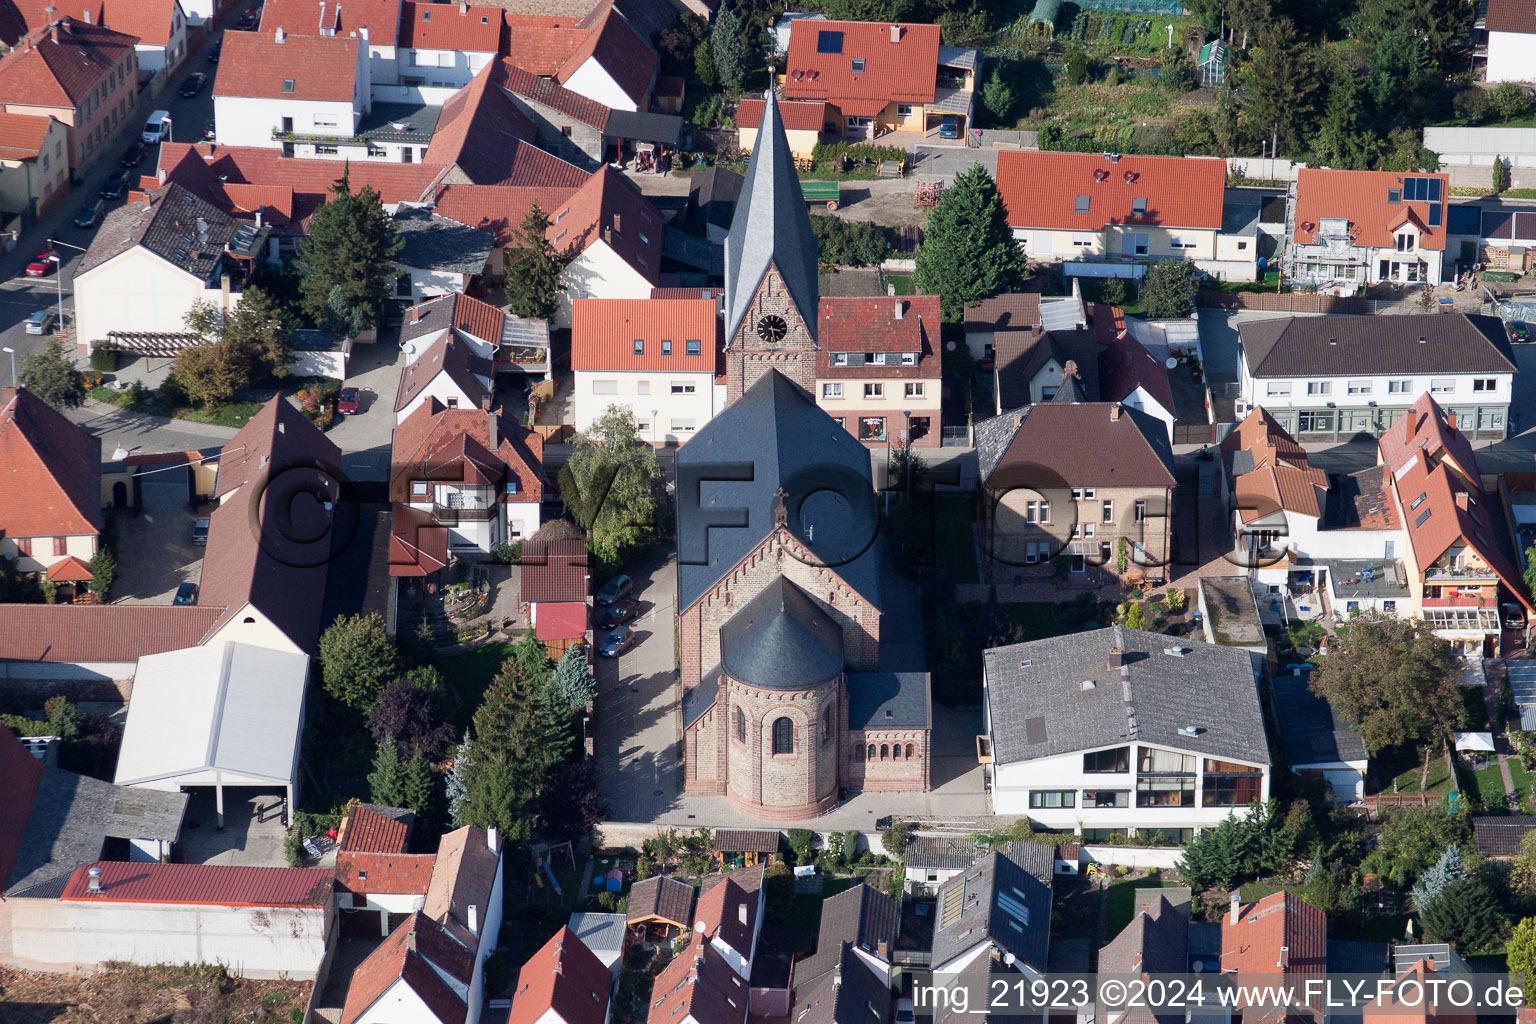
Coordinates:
279 36
616 226
474 919
410 941
87 15
1236 903
148 201
493 441
93 875
1285 958
883 949
898 309
463 8
608 235
224 303
1461 500
1114 412
490 840
53 33
1018 421
741 913
160 177
260 210
895 33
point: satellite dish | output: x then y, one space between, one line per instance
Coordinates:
1198 966
1008 958
1171 363
698 926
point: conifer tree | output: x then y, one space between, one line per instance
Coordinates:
968 251
386 783
533 269
351 245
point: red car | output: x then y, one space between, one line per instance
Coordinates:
346 401
43 264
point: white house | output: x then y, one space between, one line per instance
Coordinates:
437 256
292 92
1128 372
161 26
482 326
730 917
1511 26
659 358
1353 228
444 46
1330 377
611 235
999 907
447 371
1121 730
153 259
375 22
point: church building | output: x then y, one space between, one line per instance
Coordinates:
788 705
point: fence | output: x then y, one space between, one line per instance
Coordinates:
1284 302
1013 139
1194 433
1134 856
954 437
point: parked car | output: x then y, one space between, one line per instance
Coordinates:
90 214
186 594
949 127
200 532
214 51
1519 330
617 642
346 401
618 613
113 189
210 131
194 84
135 155
43 264
249 20
905 1013
157 128
42 322
616 588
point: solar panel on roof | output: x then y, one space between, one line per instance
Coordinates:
829 42
1435 213
179 255
1434 189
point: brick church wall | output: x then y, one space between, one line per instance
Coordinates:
889 773
747 358
784 786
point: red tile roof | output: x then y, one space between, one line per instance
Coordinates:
797 115
1510 16
532 85
565 977
255 65
1361 198
541 45
1125 364
865 324
604 331
149 20
1404 1003
499 209
100 632
905 71
43 73
365 830
490 141
418 543
561 620
1252 945
431 440
22 135
33 13
431 26
410 953
1280 477
50 470
258 165
307 18
555 569
729 912
22 773
203 885
610 208
464 877
621 52
698 983
396 874
70 570
478 319
1041 190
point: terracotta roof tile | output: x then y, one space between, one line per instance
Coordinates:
464 876
255 165
430 440
1510 16
870 325
370 830
564 977
620 51
113 633
397 874
610 208
698 983
418 543
254 65
502 152
149 20
1361 198
604 332
555 571
1041 190
70 570
22 135
1252 945
41 72
499 209
903 71
1278 474
307 18
203 885
477 318
797 115
728 912
410 953
1125 364
550 93
541 45
426 26
50 470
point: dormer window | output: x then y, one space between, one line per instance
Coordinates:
1406 241
1081 206
1139 204
426 15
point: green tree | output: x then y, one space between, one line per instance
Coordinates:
103 566
1394 681
1344 138
1521 953
731 46
1281 86
52 377
533 269
1441 24
340 316
1398 68
511 726
456 785
871 10
704 64
998 97
968 251
1500 183
896 837
417 786
1075 69
573 683
211 373
1466 915
1413 838
1432 884
1135 617
609 484
248 342
386 783
351 244
64 719
495 800
358 660
1112 291
1169 289
1508 101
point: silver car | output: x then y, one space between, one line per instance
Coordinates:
42 322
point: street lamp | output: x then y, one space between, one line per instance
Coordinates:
59 278
654 413
12 353
906 437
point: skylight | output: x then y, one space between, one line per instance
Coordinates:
1082 205
1139 205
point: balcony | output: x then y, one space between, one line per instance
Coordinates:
448 515
1464 574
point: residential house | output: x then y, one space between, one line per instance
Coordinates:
1354 228
1511 41
932 860
513 343
151 261
698 987
606 935
34 166
437 256
160 25
1278 935
878 374
1128 372
1319 746
610 235
499 210
449 373
1090 480
478 476
563 983
1001 314
658 358
444 47
291 92
376 22
483 110
846 994
1401 1005
605 59
660 907
711 205
577 128
1156 942
1072 751
729 915
418 975
999 907
1501 836
1332 547
1111 215
465 898
374 873
1029 367
556 585
858 926
1326 378
804 123
50 491
1459 579
878 77
85 76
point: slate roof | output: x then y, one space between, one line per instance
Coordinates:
853 995
1039 706
564 978
1042 190
1338 346
44 73
1000 900
943 852
170 222
254 65
661 898
1019 355
430 242
1155 942
700 697
712 200
50 470
781 639
1311 730
771 226
791 443
888 700
1074 444
475 317
860 916
1501 836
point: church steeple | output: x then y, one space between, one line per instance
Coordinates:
770 267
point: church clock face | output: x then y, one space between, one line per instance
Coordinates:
772 329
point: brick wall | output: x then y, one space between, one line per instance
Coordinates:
747 358
783 786
582 147
890 773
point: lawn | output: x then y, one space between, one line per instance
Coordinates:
1255 891
901 282
1120 901
232 414
1486 785
955 539
805 909
1522 780
1439 780
469 673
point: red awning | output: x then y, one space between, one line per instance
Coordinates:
560 620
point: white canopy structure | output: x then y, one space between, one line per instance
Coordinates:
223 715
1474 741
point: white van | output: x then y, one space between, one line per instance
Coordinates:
157 128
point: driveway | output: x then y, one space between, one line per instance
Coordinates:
364 437
154 549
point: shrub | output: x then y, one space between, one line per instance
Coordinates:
851 244
896 837
800 842
104 357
